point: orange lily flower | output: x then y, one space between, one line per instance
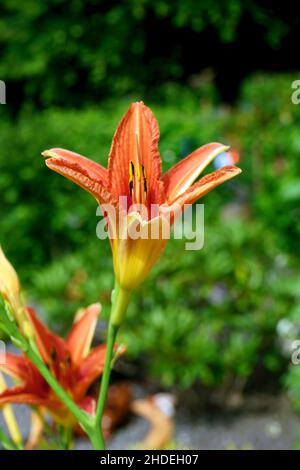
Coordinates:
72 363
135 174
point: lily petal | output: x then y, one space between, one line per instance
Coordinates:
52 348
89 370
20 394
80 337
206 184
18 367
88 404
88 174
139 246
136 141
182 175
94 169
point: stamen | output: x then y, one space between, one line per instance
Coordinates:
138 184
131 170
131 187
53 354
145 180
69 360
131 176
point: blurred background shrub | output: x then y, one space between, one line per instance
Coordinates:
208 316
218 317
66 53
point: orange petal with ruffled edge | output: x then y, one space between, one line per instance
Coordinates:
88 174
206 184
182 175
80 337
136 141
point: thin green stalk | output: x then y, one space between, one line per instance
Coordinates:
120 303
66 437
121 300
8 444
111 336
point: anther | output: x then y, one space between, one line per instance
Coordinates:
131 176
131 169
145 179
131 188
53 355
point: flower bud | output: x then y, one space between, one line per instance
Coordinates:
9 283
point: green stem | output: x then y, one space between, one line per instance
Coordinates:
67 437
7 442
121 300
111 336
120 303
97 439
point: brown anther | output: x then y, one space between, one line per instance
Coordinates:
53 355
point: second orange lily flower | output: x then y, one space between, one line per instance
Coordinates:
72 363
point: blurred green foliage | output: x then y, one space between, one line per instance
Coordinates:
208 316
61 52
